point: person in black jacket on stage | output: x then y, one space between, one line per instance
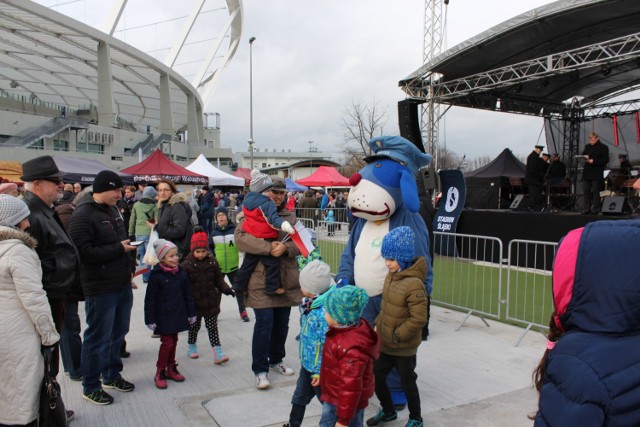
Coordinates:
596 156
534 177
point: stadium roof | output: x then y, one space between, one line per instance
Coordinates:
49 56
534 62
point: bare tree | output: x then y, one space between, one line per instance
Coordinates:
361 123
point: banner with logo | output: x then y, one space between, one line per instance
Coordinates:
454 192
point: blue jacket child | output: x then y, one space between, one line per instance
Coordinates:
315 282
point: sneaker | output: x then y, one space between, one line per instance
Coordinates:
99 397
193 351
414 423
262 381
218 355
380 418
119 384
281 368
244 316
70 415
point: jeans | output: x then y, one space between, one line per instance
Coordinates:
269 336
142 249
330 416
70 341
108 318
406 366
302 395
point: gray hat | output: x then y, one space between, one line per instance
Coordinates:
260 182
315 277
12 210
149 191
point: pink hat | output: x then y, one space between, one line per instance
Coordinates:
8 186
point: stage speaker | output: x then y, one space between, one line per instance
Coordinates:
612 205
409 122
516 201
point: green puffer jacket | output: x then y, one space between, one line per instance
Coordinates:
403 311
224 247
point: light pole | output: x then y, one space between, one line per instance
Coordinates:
251 141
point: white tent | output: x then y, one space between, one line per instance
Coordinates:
216 177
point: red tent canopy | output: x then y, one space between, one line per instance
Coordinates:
243 173
325 176
158 166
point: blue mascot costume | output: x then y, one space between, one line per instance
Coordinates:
384 196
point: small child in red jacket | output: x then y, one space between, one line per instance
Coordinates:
350 348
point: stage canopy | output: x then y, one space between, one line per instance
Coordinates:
158 166
325 176
535 61
84 171
294 186
216 177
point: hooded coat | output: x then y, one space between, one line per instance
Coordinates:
25 325
592 375
207 284
174 223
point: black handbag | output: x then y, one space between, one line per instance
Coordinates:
52 412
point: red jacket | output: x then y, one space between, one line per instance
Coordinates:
346 375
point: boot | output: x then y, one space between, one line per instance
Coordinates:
161 378
193 351
218 355
173 374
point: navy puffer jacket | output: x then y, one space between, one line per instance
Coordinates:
593 373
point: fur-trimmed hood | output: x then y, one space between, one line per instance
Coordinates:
176 198
8 233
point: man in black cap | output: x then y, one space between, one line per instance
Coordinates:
534 177
100 234
58 256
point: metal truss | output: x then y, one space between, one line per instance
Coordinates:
598 54
614 108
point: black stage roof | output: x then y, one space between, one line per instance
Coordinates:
535 61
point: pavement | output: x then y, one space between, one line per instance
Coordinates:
473 376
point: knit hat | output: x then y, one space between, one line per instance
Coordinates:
315 277
399 244
8 186
199 240
259 182
223 210
106 180
162 247
150 192
346 304
12 210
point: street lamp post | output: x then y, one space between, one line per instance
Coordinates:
251 141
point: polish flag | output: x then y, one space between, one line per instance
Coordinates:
302 239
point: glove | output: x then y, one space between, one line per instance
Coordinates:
152 326
286 227
192 320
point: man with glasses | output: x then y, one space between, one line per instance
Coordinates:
58 256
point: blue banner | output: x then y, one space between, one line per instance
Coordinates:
454 193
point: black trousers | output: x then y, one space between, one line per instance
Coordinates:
591 193
271 270
406 367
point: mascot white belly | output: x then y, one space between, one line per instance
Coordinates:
369 269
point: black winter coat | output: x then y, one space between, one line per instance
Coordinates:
58 255
536 168
207 284
600 155
168 302
174 223
97 230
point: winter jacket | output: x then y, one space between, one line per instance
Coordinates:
97 230
535 169
57 253
174 224
207 205
223 242
346 375
403 311
600 155
313 329
25 325
591 376
307 204
168 301
257 297
207 284
261 216
143 210
125 206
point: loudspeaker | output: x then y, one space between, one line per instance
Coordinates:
612 204
516 201
409 122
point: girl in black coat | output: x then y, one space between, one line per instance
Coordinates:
168 309
207 286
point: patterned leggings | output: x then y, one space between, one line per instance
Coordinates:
211 323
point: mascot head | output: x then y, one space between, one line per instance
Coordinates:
388 180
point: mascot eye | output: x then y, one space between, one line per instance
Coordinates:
378 165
